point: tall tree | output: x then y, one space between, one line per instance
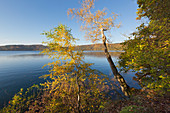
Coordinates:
147 51
95 23
75 86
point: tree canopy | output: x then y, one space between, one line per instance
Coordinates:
93 21
147 51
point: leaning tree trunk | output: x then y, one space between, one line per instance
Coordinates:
124 87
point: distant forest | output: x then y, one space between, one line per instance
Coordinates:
22 48
92 47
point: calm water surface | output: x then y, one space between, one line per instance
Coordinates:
21 69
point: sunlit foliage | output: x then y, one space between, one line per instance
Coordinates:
22 100
147 51
76 87
93 22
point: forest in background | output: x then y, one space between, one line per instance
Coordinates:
91 47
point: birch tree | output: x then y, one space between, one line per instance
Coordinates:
95 24
75 86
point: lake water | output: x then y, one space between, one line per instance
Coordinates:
21 69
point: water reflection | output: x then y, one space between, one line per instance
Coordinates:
21 69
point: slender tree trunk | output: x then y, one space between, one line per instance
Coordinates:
78 94
78 87
124 87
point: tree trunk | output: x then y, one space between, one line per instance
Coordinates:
78 95
124 87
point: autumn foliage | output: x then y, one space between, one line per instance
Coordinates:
72 86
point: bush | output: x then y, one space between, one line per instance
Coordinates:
132 109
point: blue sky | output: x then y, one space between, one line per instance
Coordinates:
22 21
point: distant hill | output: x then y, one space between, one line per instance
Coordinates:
22 48
91 47
115 46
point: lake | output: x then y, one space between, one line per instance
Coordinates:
21 69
